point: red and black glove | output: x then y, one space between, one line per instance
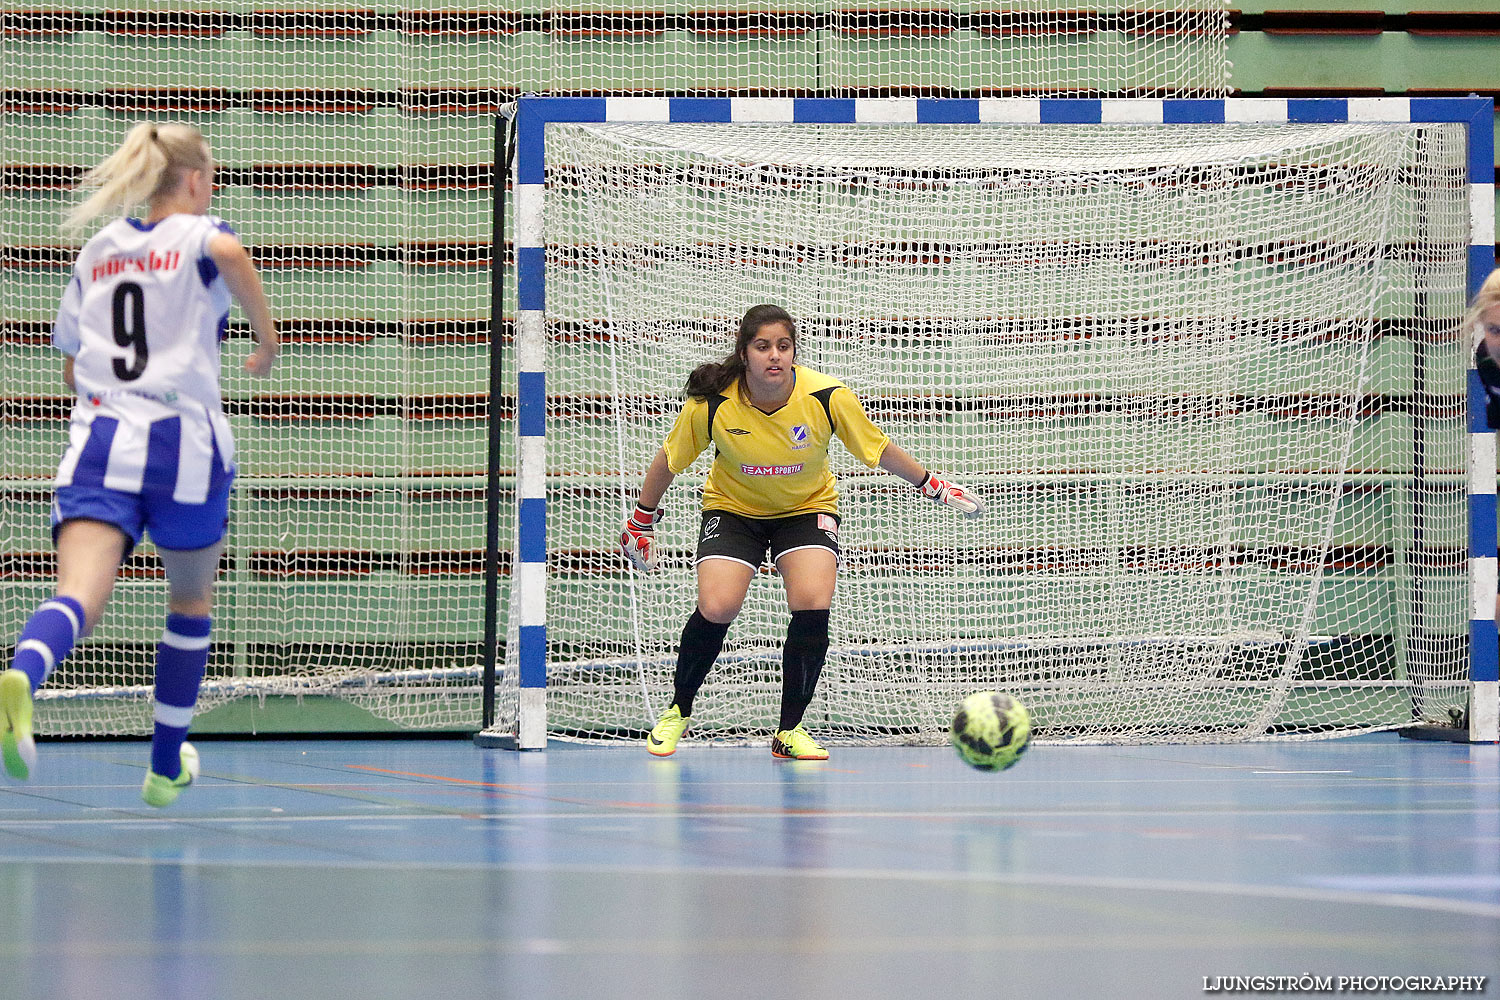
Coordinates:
638 540
953 495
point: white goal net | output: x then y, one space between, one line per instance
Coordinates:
1208 379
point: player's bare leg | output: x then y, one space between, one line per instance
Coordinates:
88 555
88 559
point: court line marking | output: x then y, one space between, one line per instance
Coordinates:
728 812
1390 900
523 791
254 809
271 830
440 777
925 947
209 779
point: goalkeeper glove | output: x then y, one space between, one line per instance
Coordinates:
638 540
953 495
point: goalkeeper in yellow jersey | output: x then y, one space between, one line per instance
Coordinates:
770 422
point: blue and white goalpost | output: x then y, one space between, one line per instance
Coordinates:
1202 357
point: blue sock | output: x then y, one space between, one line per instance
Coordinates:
48 638
181 658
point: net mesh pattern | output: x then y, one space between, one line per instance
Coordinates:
355 151
1208 381
355 144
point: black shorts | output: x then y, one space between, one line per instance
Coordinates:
723 535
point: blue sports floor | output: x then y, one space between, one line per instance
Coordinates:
371 869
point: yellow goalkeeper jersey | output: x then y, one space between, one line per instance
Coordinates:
774 464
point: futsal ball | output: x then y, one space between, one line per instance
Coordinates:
990 730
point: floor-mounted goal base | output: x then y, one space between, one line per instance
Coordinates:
501 741
1438 734
1478 723
1457 730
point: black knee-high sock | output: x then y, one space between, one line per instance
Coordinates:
801 664
701 642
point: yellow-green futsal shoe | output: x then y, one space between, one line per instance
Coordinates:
159 791
17 745
662 740
797 744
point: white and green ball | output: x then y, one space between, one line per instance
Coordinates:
990 730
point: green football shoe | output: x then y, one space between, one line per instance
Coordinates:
17 745
159 791
662 740
796 744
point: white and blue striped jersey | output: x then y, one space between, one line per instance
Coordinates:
143 316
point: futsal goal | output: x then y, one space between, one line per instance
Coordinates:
1203 360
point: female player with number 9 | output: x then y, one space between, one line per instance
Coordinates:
770 422
150 450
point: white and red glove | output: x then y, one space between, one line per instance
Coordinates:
638 540
953 495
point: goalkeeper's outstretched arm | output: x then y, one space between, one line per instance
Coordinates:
658 477
898 463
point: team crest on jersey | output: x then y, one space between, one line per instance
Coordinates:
798 434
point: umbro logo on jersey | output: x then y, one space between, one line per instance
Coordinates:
736 430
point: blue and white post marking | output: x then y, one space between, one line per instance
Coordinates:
529 571
1484 647
533 114
1483 714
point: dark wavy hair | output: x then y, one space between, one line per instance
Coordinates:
716 376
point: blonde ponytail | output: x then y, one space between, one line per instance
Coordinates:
1487 298
150 162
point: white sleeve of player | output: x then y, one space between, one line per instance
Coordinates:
65 336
